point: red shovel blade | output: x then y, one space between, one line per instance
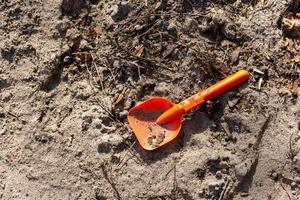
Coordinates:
142 120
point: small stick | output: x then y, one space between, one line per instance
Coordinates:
15 116
110 115
292 152
286 191
260 83
258 71
224 190
176 14
152 27
261 133
112 184
136 65
174 178
174 191
98 73
131 146
118 169
170 170
144 59
138 159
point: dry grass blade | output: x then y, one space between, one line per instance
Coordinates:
223 193
226 128
294 87
109 180
296 59
120 96
139 50
285 188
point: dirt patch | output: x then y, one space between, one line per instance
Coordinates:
71 70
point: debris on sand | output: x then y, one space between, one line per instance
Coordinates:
63 106
154 140
121 11
292 89
292 25
72 7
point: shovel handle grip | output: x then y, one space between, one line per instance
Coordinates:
215 90
200 98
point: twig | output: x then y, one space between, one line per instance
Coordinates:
170 170
110 115
173 14
98 73
223 193
174 178
258 71
134 64
260 83
118 169
174 191
139 72
152 27
292 153
134 155
128 150
17 117
112 184
153 62
286 191
89 73
261 133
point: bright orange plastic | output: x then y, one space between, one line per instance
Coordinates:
158 121
203 96
142 121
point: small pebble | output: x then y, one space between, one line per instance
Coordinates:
244 194
219 174
293 185
172 26
66 59
84 44
121 11
115 159
224 171
274 176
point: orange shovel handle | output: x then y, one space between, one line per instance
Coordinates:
215 90
201 97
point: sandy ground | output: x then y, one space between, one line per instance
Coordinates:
71 70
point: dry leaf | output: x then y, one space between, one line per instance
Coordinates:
293 87
296 59
226 128
75 44
287 189
95 32
98 30
120 97
284 91
228 43
139 50
288 43
84 57
169 50
97 79
235 55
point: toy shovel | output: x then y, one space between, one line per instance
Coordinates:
157 121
